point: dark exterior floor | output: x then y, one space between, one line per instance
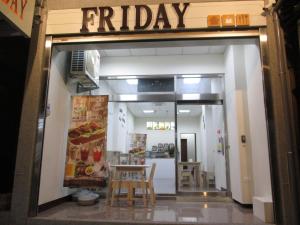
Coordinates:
164 212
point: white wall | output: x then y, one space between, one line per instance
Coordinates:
186 125
118 130
249 162
219 157
210 143
202 151
236 175
56 131
172 64
257 122
191 146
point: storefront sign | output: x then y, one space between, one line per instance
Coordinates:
144 16
230 20
214 21
86 148
20 13
242 20
156 17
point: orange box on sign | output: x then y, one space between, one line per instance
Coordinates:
214 21
242 20
228 20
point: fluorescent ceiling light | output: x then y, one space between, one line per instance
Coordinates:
132 81
184 111
191 80
128 97
190 96
187 76
126 77
148 111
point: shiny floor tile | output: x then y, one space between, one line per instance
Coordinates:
165 211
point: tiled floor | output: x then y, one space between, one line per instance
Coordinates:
164 212
194 188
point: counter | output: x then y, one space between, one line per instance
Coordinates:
164 176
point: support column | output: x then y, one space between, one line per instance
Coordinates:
281 124
30 123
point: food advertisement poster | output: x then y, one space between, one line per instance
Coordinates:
137 148
86 148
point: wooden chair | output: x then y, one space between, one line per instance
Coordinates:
115 185
146 185
185 175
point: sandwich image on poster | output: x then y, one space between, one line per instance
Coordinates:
86 148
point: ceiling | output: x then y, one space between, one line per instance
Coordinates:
6 30
162 110
195 50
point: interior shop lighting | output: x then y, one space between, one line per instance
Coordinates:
128 97
191 76
190 96
126 77
148 111
132 81
184 111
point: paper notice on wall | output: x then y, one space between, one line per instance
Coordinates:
86 148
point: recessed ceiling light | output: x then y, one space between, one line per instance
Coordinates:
132 81
189 76
191 80
125 77
184 111
148 111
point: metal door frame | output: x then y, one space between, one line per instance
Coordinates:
139 40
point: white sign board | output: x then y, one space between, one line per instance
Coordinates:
20 13
130 18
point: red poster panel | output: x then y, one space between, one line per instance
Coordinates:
85 162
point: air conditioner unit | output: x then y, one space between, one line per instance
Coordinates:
85 68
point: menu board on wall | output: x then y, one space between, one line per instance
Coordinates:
86 148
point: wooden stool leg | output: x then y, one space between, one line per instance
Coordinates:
112 195
152 195
143 186
144 194
129 193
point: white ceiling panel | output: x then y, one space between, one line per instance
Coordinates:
161 109
169 51
217 49
143 51
117 52
198 50
195 110
195 50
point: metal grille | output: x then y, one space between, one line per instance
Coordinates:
77 63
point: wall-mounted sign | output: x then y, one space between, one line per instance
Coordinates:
20 13
242 20
154 17
85 161
213 20
144 17
228 20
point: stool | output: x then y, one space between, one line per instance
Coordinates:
117 185
186 177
